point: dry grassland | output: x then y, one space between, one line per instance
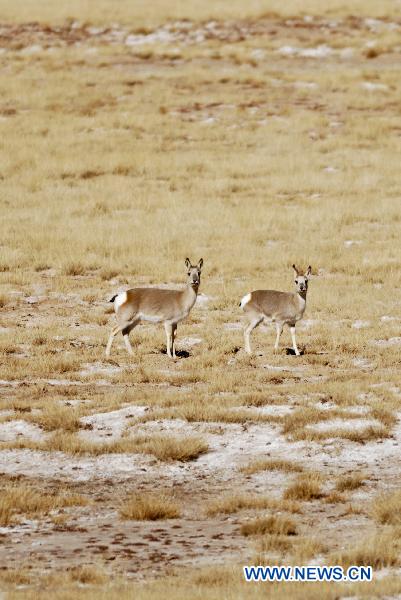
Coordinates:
255 135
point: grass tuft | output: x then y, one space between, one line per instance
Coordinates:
272 525
306 487
149 507
386 509
350 482
20 499
234 503
271 464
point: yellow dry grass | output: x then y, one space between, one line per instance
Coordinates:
386 508
120 156
378 551
272 464
21 499
149 507
232 503
209 582
272 525
307 486
164 447
350 482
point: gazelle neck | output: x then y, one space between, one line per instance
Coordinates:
301 299
190 293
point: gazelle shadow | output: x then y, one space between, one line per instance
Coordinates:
291 351
179 353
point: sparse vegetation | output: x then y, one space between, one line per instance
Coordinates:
271 464
386 508
381 550
233 503
164 447
272 525
149 507
88 574
22 499
307 486
350 482
252 138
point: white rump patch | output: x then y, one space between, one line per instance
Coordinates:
245 300
120 299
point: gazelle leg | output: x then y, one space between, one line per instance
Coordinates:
294 343
169 334
113 333
254 323
126 331
128 343
279 329
174 331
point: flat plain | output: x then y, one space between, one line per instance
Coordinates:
131 137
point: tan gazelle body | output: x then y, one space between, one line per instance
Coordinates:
279 307
155 305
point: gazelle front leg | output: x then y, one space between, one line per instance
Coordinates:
294 343
254 323
169 335
279 330
113 333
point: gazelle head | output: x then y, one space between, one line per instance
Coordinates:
301 281
194 272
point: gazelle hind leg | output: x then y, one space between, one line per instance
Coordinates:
126 331
279 330
294 343
254 323
169 335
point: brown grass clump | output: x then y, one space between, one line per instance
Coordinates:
21 499
234 503
272 524
271 464
15 577
334 498
88 574
377 551
349 482
306 487
386 508
149 507
305 549
57 416
3 300
274 543
165 448
74 269
360 436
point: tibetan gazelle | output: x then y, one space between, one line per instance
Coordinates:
157 305
279 307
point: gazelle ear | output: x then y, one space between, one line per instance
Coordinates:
187 263
200 264
295 270
309 271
